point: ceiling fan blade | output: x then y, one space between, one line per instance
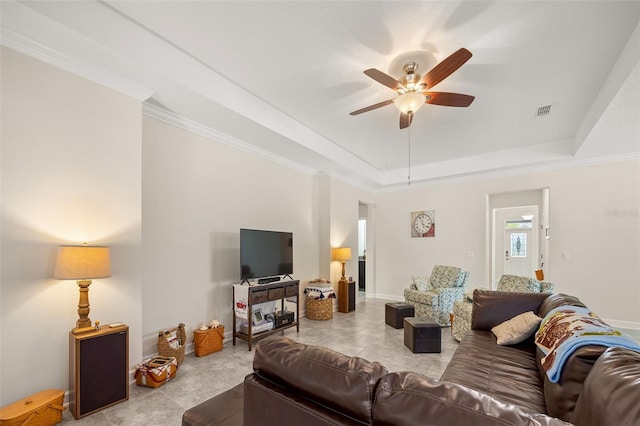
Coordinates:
405 120
448 99
383 78
445 68
372 107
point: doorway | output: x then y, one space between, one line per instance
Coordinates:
362 247
366 249
517 234
514 236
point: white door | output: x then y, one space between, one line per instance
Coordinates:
515 242
517 254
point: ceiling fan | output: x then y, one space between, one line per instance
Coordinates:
412 88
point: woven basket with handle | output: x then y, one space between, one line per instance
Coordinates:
44 408
208 341
164 348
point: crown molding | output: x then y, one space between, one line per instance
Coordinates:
29 47
174 119
516 171
210 133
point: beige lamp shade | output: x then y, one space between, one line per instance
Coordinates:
342 254
82 263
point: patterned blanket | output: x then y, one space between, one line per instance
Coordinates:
320 292
567 328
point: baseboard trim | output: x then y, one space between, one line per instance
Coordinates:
632 325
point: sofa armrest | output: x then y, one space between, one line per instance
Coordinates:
448 296
269 403
430 297
461 318
403 397
611 393
330 378
491 308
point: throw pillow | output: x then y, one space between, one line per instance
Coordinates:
422 283
517 329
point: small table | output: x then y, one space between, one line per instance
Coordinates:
346 296
422 335
396 312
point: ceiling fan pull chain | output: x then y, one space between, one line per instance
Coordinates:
409 159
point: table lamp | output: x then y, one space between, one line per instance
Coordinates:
83 263
342 254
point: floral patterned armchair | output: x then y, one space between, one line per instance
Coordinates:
433 297
462 309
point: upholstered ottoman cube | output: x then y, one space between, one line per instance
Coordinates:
422 335
396 312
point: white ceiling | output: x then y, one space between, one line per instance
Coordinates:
280 78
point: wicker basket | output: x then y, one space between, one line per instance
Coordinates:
165 349
208 341
156 371
44 408
319 309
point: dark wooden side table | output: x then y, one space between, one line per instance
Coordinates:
98 369
346 296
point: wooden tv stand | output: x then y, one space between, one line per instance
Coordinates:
261 293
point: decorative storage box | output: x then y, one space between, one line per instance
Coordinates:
396 312
422 335
43 408
171 343
156 371
208 341
319 309
283 318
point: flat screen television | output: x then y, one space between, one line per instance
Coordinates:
265 253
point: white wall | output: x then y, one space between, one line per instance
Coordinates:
594 219
344 215
71 173
197 195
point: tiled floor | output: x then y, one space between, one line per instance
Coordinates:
360 333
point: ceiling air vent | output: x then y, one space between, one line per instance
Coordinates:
543 111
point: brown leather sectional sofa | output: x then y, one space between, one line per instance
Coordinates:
484 384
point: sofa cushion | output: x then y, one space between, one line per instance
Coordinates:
506 373
330 378
517 329
408 398
611 391
491 308
556 300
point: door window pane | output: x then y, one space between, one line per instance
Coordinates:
518 224
518 244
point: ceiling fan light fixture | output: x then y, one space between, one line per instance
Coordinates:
410 102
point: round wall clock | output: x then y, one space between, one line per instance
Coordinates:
423 224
